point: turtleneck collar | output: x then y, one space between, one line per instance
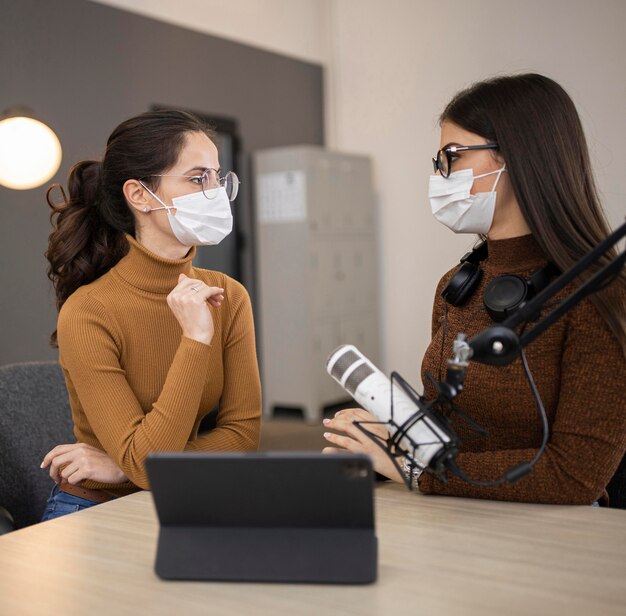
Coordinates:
147 271
515 254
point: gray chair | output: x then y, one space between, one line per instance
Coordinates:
617 487
34 417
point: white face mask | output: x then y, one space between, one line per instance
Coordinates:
199 221
454 206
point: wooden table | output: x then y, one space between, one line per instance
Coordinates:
437 556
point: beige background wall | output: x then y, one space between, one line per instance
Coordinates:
391 67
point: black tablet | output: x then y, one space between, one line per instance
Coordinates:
264 517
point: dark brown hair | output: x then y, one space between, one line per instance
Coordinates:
89 226
540 137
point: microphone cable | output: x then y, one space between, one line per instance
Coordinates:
520 470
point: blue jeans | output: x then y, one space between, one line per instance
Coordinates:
61 503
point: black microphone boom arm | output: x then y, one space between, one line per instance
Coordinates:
499 345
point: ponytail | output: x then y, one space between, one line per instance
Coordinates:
82 246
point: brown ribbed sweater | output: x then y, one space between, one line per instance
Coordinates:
136 385
580 372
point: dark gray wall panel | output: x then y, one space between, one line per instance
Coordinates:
84 67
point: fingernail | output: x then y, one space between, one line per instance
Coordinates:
41 465
326 421
326 434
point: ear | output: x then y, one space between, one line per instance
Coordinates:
136 196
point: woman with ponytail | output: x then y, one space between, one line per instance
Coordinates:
513 167
149 344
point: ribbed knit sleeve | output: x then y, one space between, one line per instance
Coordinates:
239 416
587 435
90 348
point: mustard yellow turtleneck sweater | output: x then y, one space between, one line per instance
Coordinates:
136 385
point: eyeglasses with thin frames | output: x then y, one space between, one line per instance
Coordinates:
442 162
210 180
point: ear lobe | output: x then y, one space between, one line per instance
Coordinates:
135 195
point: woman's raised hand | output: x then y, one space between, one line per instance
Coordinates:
189 301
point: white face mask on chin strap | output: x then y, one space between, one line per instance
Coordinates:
199 221
453 205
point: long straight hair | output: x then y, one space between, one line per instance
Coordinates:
90 224
540 136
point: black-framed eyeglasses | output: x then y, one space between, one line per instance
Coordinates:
210 180
442 163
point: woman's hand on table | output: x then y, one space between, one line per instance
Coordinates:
351 439
74 463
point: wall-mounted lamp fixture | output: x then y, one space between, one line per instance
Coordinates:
30 152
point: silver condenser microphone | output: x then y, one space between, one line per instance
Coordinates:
423 437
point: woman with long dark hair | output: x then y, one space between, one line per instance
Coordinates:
513 166
149 344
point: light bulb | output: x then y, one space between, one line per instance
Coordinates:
30 153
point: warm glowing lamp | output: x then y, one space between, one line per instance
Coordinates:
30 152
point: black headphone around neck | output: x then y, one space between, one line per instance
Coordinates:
504 294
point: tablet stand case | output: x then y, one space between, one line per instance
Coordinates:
264 517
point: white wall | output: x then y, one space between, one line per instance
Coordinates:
391 68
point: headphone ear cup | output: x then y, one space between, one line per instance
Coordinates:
504 295
462 284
